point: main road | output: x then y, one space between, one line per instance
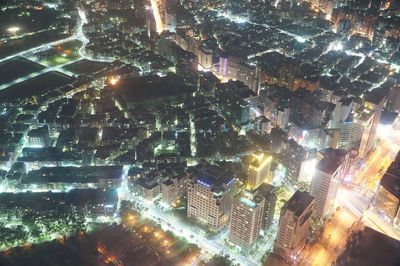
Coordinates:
355 200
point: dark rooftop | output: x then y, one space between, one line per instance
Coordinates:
299 202
213 175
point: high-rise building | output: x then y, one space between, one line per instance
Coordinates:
374 101
258 171
246 218
355 132
170 14
231 103
210 194
327 176
393 103
267 191
172 189
249 75
387 200
294 224
186 66
342 110
292 157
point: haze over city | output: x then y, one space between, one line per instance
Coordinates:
199 132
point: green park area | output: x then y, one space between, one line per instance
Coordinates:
61 54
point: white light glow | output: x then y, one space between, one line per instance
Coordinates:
307 170
114 81
13 29
301 39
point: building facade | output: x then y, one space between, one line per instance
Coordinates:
209 195
294 224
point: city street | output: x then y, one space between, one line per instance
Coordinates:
354 200
325 251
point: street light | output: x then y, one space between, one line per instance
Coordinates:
13 30
113 81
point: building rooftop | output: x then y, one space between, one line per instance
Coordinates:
168 182
299 202
250 198
332 160
213 176
266 190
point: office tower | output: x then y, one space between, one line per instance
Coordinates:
356 131
342 110
374 101
246 218
393 103
294 223
292 157
172 189
387 200
209 195
170 14
327 176
267 191
258 171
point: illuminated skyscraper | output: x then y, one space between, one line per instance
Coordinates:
325 182
294 224
246 218
267 192
258 171
209 194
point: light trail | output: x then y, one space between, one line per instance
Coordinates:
157 17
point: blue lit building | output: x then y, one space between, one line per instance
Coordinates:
210 194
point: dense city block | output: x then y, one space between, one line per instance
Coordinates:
200 132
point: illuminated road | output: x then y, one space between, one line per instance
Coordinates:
239 19
388 147
39 48
169 222
325 251
38 73
81 37
355 203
